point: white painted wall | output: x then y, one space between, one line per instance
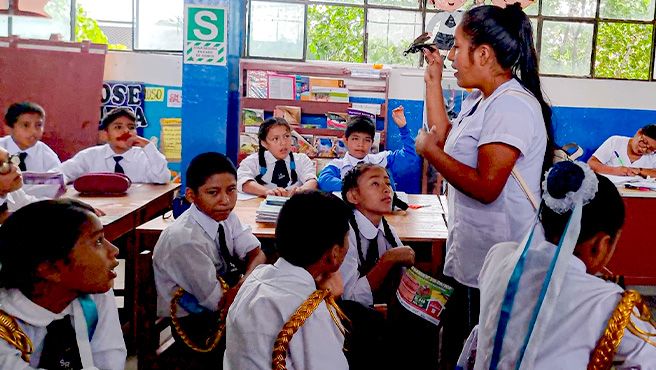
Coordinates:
407 83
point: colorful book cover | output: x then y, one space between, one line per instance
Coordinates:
423 295
302 87
257 85
326 146
291 114
336 120
252 117
248 144
282 86
300 144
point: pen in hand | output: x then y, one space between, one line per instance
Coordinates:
619 159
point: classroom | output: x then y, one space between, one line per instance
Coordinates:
327 184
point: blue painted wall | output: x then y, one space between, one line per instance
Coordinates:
590 127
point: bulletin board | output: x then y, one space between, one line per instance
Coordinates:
65 78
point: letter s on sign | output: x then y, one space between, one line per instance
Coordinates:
201 22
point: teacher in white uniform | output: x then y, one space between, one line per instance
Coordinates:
504 124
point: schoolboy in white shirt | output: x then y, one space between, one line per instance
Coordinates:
125 152
204 242
25 121
359 137
311 251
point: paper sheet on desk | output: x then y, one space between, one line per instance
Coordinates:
244 196
645 183
620 180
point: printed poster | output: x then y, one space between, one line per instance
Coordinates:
423 295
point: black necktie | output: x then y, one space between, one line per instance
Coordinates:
117 167
371 258
280 175
21 165
60 351
230 270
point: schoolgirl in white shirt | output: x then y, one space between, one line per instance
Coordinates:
305 275
26 122
542 307
55 290
375 251
627 156
274 169
125 152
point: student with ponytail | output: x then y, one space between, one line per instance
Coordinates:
274 169
504 127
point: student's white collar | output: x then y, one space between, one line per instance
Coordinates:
354 161
208 224
299 272
110 153
367 229
13 148
18 305
269 158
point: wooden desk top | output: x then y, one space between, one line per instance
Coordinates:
425 224
635 193
127 209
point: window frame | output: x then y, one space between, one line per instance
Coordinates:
426 11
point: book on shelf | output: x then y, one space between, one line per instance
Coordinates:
252 117
329 94
329 146
257 84
291 114
248 144
357 112
336 120
303 144
302 87
281 86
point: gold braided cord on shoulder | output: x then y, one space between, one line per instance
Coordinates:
602 356
212 341
281 345
14 335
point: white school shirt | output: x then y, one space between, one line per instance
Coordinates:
18 199
347 162
264 303
357 288
620 144
141 165
583 308
187 255
40 158
107 347
511 115
249 168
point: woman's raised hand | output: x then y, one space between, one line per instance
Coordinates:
435 65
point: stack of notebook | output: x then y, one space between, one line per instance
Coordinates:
269 209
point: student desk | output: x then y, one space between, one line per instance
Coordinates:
123 213
424 225
635 255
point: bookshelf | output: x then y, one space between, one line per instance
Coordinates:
361 81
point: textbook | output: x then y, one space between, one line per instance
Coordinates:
423 295
269 209
44 184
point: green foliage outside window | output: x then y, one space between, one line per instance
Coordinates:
87 28
623 50
335 33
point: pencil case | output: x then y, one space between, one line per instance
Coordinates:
102 183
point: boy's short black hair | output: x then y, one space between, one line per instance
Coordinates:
309 224
649 131
205 165
15 110
114 114
360 124
23 248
